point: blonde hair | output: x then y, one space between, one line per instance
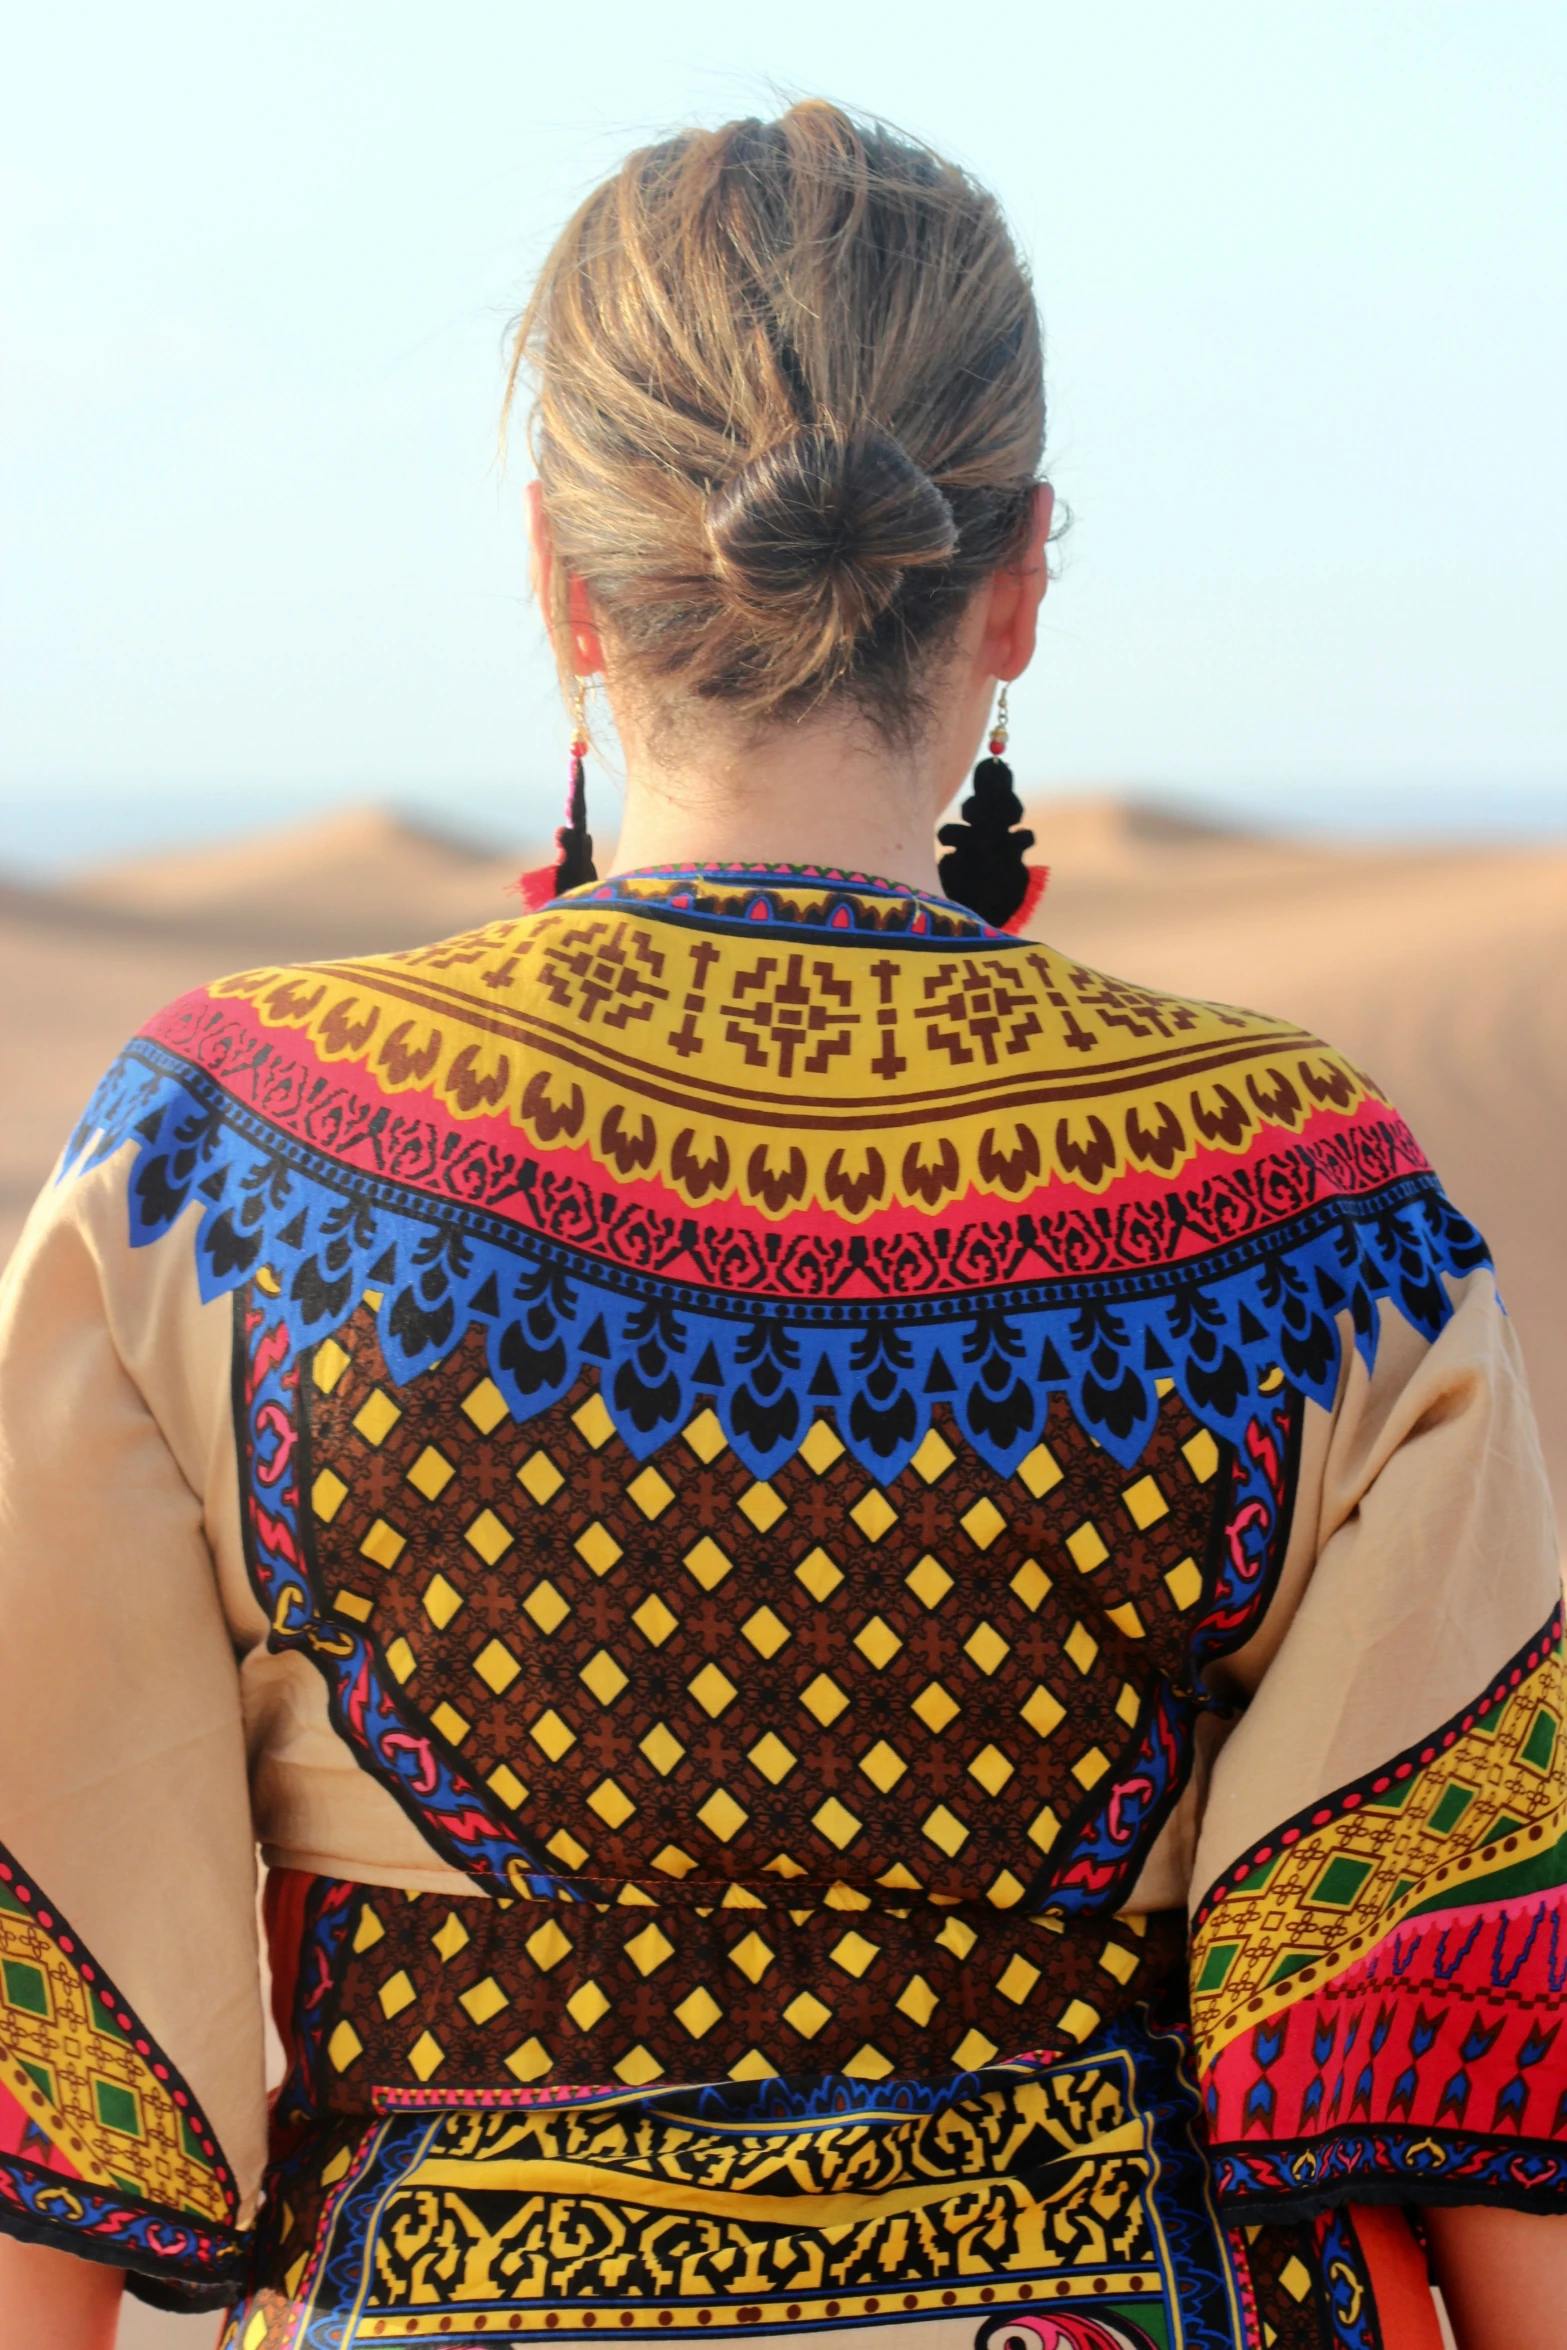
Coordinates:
788 409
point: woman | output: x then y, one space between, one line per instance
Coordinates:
886 1609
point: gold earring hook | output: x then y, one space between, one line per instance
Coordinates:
998 726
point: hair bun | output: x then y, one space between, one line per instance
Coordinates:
816 535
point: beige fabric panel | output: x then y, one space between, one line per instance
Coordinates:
316 1807
1423 1555
312 1803
148 1738
122 1758
1166 1874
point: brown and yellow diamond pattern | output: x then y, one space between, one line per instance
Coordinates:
437 1996
1288 2288
672 1670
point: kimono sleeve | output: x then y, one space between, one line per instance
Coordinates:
132 2105
1380 1896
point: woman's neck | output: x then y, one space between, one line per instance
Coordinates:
823 792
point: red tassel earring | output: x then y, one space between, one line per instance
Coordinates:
574 840
574 843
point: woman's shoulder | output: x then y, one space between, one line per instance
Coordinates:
785 1063
772 1062
772 1162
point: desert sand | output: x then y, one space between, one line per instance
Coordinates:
1441 971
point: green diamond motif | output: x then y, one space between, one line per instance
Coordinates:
1394 1798
41 2078
26 1988
1216 1966
1291 1964
117 2108
1450 1809
1339 1882
1540 1744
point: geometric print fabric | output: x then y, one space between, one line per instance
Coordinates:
672 1674
1475 1801
875 1051
1031 2192
97 2097
737 2210
1379 1987
1288 2290
438 1999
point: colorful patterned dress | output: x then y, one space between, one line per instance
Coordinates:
886 1611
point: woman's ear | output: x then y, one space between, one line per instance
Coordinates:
1016 593
587 647
587 650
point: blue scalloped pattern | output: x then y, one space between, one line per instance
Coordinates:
1220 1326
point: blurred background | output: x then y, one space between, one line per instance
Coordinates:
1297 734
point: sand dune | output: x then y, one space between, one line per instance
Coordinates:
355 882
1442 972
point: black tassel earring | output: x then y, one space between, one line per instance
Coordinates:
986 868
574 840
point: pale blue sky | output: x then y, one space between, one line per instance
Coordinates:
1302 273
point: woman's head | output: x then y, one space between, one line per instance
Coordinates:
788 413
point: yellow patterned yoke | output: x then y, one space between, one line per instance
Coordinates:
790 1079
